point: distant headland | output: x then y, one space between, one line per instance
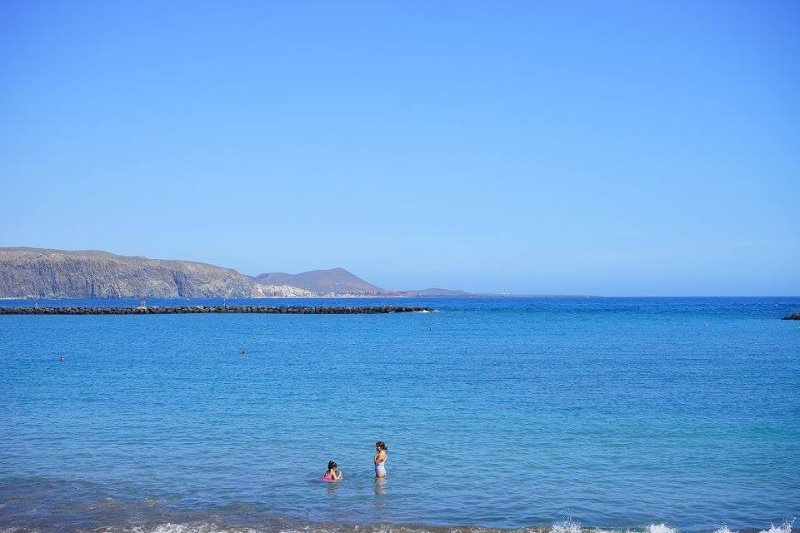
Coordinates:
59 274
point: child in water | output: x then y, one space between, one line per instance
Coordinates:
333 473
380 459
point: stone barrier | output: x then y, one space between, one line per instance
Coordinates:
193 309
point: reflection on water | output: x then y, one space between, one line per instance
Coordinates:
380 502
380 486
331 487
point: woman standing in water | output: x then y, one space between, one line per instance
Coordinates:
380 459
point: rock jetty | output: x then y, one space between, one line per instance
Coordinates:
189 309
793 316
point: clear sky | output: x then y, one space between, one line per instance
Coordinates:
608 148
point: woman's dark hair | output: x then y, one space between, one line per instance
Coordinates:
332 465
381 445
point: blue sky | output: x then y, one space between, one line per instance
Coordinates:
609 148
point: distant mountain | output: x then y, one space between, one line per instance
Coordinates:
338 281
44 273
324 282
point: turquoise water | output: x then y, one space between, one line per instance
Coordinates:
498 413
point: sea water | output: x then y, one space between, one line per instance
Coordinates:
556 414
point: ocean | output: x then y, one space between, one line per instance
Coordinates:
556 415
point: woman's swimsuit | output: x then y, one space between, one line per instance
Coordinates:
380 470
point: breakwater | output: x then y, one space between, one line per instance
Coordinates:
190 309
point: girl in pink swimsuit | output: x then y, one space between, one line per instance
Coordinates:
333 473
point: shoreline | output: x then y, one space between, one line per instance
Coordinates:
251 517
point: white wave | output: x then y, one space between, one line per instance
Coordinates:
566 527
660 528
786 527
192 528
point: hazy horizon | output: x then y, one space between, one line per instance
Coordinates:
617 149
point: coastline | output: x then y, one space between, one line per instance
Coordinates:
85 506
81 505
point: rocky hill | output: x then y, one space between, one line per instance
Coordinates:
43 273
324 282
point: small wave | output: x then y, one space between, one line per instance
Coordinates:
566 527
192 528
660 528
786 527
